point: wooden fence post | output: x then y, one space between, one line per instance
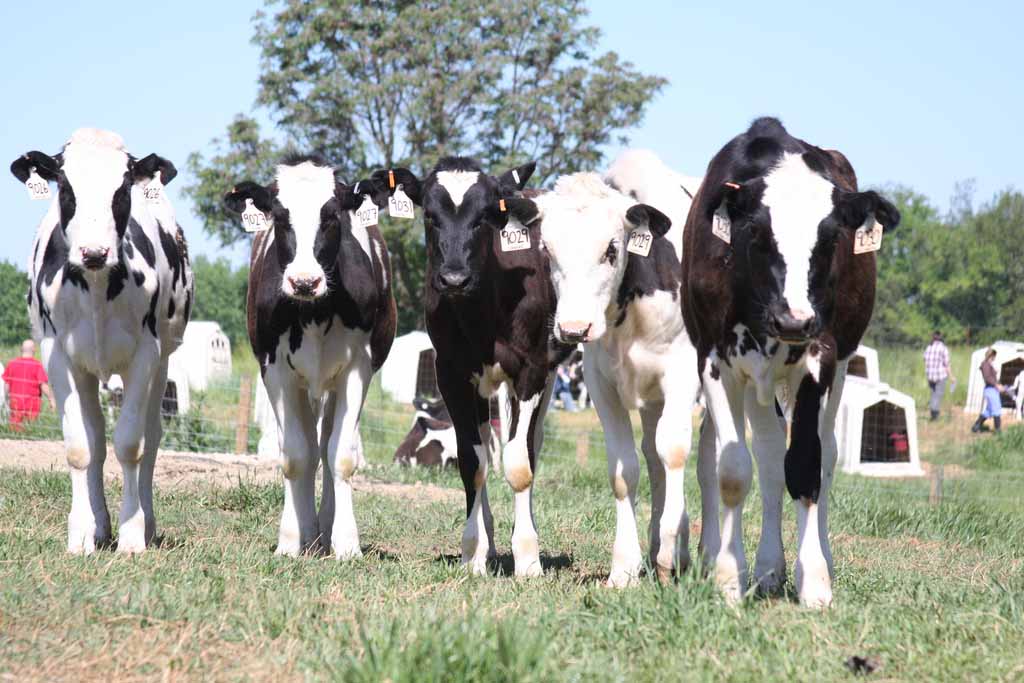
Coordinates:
582 449
935 497
242 421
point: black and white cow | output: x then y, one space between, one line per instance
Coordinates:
431 440
778 288
617 280
487 314
110 292
321 319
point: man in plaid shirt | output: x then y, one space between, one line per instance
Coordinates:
937 371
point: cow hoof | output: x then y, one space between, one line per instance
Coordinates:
289 547
771 582
531 569
81 542
814 587
526 552
664 574
347 549
623 578
477 565
131 536
729 583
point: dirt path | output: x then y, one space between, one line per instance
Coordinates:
178 469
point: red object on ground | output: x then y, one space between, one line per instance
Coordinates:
24 377
900 442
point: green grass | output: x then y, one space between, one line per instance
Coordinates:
935 591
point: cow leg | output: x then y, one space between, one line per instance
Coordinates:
297 426
649 416
325 516
139 384
725 402
77 398
769 442
478 534
623 474
343 455
707 478
519 461
150 446
829 455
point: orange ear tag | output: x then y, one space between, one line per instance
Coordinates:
501 206
391 179
734 186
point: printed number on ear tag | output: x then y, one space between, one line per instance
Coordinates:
154 191
640 241
254 220
400 206
366 214
515 237
721 227
37 187
868 238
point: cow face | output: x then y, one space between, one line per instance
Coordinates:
785 229
308 210
586 227
461 210
95 179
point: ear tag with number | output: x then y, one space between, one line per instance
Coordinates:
399 205
640 241
154 191
514 236
366 214
868 237
254 220
36 186
721 227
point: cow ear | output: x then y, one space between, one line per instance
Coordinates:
855 208
644 214
523 210
260 196
391 178
146 168
514 180
46 166
350 197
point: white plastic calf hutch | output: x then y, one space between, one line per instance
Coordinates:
864 364
409 369
1009 363
205 352
876 431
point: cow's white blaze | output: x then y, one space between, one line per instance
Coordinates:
95 162
457 183
798 199
581 218
303 189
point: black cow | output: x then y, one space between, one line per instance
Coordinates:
321 319
487 314
778 288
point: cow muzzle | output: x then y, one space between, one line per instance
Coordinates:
574 331
94 258
794 326
453 281
305 286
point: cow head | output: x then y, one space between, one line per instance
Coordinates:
308 211
586 227
95 178
785 227
461 209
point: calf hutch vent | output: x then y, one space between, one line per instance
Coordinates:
876 431
1009 363
205 352
864 364
409 368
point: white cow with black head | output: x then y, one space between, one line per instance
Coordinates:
111 291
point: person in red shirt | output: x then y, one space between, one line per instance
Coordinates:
26 382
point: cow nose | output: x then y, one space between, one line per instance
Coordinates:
94 258
794 325
305 286
574 331
454 279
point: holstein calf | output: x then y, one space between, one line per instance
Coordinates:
778 288
488 302
321 319
431 441
617 281
110 292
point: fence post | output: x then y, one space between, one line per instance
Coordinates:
582 448
242 421
935 497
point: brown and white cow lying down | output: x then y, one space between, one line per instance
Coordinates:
778 288
431 439
487 313
321 319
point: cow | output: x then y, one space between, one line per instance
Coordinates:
321 318
110 292
487 310
778 286
621 302
431 440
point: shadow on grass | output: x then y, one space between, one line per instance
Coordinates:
505 565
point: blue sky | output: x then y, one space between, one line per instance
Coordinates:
920 93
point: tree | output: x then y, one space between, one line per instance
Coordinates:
401 83
14 326
220 296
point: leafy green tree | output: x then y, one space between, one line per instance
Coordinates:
396 82
14 326
220 296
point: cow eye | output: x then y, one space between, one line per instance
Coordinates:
610 254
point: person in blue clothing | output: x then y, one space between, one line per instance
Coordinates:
992 401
